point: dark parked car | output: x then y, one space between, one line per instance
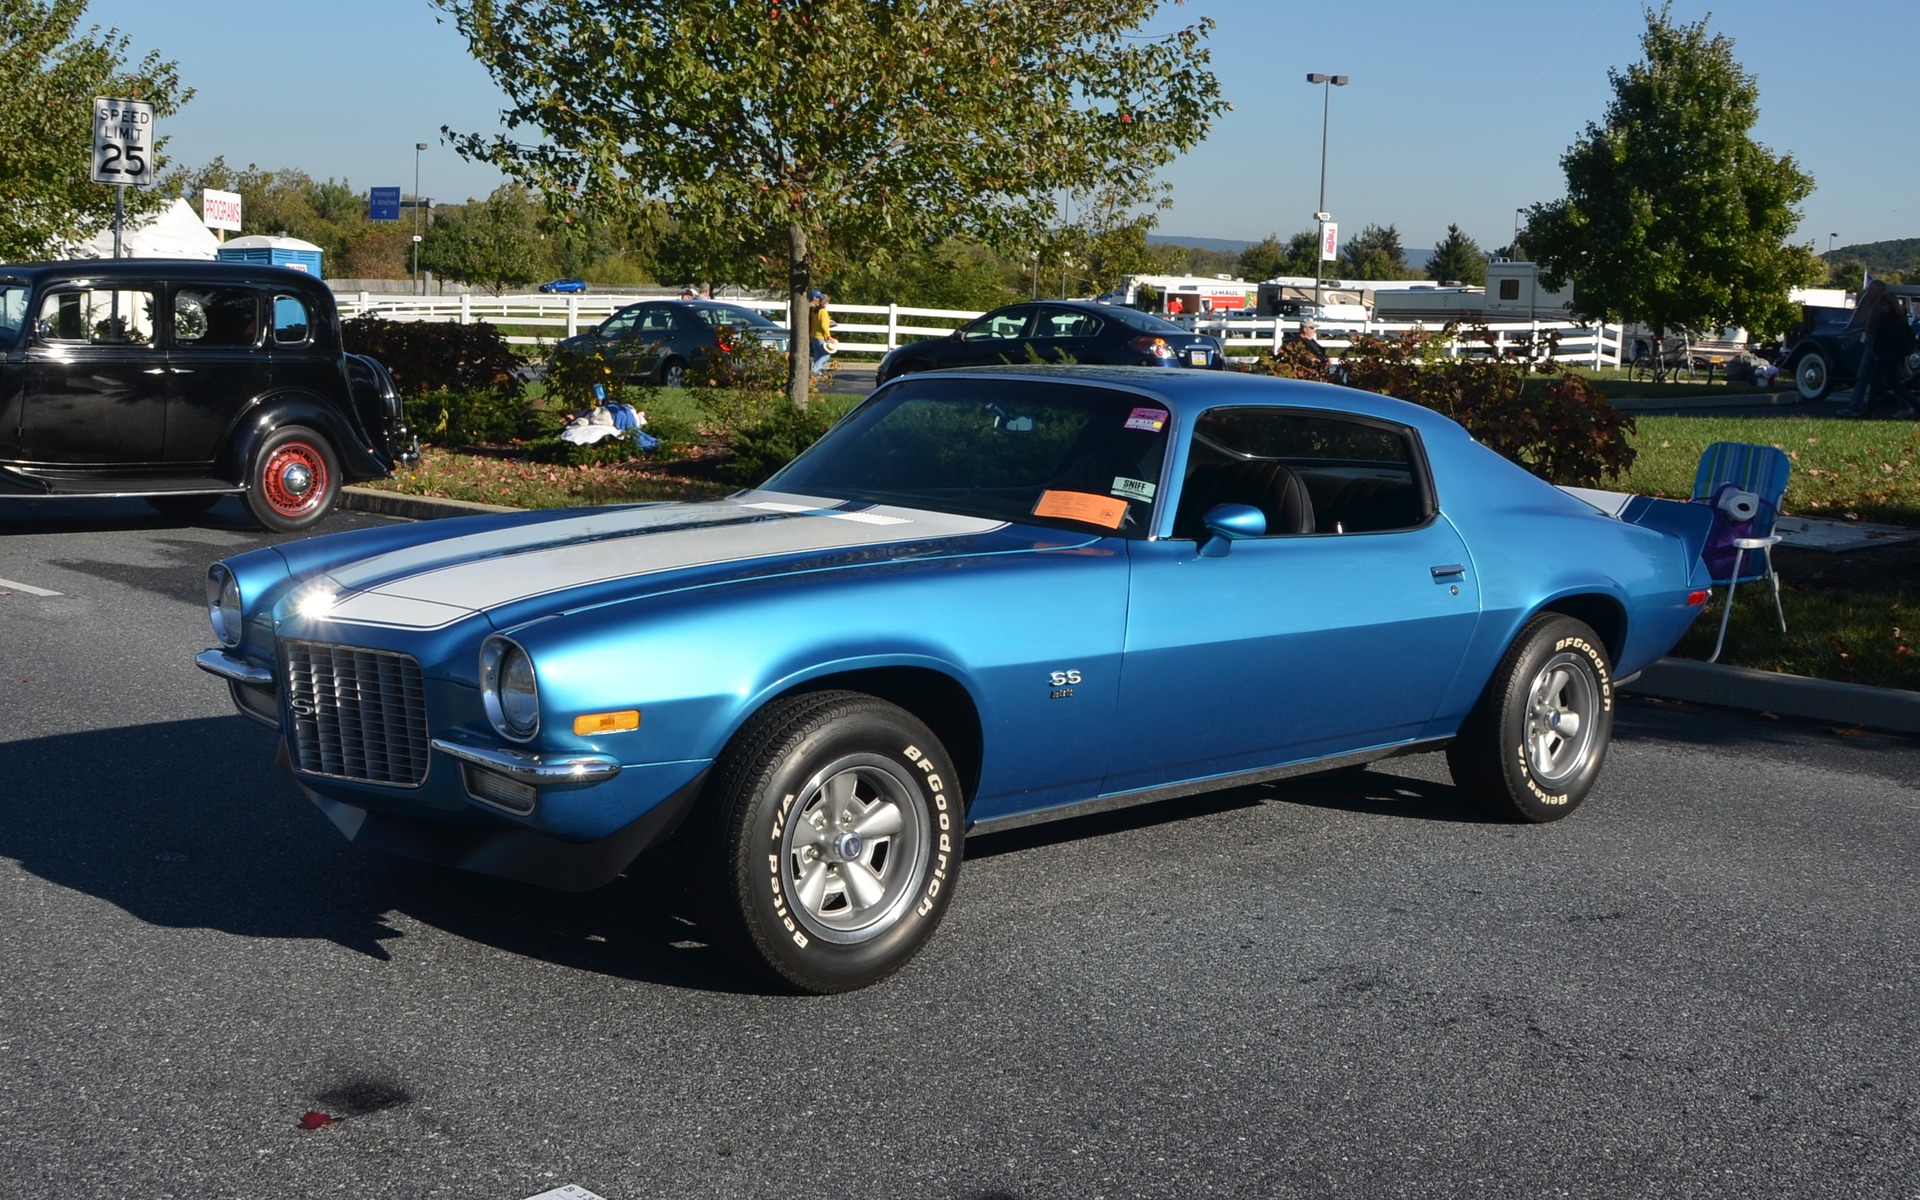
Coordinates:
660 340
563 285
1059 331
185 381
1823 352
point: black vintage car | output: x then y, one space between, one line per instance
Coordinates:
185 381
1822 353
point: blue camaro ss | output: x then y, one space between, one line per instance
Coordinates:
986 598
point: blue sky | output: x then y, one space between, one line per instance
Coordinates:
1457 112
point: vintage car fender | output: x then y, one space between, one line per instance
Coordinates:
274 410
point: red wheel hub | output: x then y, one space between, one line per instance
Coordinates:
294 479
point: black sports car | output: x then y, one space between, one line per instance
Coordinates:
1059 331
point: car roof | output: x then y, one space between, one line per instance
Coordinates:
1189 390
189 270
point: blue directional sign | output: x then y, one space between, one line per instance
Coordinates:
383 204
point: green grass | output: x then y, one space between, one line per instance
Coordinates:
1842 470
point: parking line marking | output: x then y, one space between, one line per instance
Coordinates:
29 589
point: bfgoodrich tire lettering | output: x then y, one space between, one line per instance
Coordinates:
1532 747
834 837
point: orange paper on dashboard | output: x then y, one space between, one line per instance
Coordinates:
1081 506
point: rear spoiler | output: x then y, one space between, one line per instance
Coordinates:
1691 523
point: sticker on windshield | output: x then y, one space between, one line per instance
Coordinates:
1153 420
1139 489
1104 511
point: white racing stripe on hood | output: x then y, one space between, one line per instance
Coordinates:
432 586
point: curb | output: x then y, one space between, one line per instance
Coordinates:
417 508
1892 710
1888 709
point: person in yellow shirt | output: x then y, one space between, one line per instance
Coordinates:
820 331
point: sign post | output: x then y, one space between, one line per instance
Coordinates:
122 153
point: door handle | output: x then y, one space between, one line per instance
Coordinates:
1441 572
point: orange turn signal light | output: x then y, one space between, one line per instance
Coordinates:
608 722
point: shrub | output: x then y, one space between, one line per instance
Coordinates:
435 356
468 418
760 449
1560 428
743 363
577 382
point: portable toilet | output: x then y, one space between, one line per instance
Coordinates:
272 251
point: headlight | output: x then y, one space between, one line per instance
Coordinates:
509 690
223 604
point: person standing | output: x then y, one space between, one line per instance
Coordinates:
820 341
1883 352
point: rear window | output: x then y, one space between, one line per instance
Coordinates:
1133 318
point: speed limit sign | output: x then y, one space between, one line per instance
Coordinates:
123 142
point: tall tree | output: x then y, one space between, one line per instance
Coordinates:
802 124
49 77
1674 216
1374 253
1458 257
496 243
1264 259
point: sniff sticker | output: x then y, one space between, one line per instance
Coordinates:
1104 511
1153 420
1138 489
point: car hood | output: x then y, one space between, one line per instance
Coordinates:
518 573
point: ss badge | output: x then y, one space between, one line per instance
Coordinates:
1062 682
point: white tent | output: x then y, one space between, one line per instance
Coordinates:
174 232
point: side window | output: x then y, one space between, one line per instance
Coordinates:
998 326
1509 289
98 318
619 323
215 316
1307 472
1065 323
292 324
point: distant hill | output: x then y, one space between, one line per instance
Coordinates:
1901 254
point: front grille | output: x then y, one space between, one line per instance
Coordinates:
355 714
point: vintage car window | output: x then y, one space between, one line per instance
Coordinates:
292 323
1010 450
1308 472
13 311
215 316
98 317
1013 323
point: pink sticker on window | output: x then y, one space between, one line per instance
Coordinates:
1151 419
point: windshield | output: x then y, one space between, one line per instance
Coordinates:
1062 454
13 311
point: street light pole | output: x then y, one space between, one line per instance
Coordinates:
1327 84
1513 247
417 148
1830 238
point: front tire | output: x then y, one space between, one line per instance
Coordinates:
673 373
1813 375
293 480
834 841
1533 746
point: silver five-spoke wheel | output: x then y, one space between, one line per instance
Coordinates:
1559 719
853 848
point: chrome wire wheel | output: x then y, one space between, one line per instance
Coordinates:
854 851
1561 710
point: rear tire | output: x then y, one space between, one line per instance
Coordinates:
833 841
1813 375
293 480
673 373
1533 746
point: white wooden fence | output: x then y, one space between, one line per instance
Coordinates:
872 329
